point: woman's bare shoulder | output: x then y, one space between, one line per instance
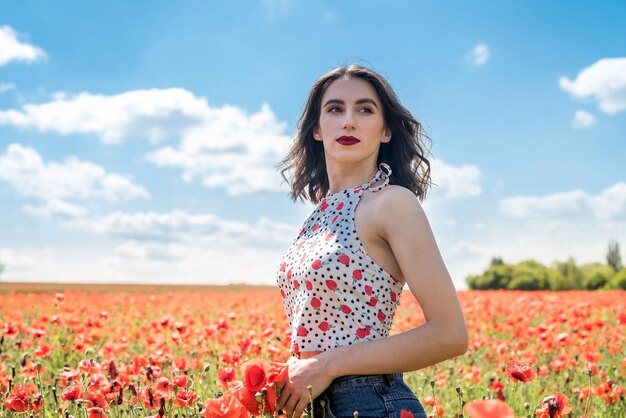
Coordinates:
394 197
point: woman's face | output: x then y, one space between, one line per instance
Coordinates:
351 124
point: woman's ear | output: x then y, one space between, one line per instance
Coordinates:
316 134
387 135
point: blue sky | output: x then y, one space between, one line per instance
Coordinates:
138 139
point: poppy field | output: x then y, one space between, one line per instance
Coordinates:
187 354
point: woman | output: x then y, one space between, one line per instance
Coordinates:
342 277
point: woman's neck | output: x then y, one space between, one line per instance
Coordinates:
341 177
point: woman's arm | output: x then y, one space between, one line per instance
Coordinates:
403 224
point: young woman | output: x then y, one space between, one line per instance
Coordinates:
341 279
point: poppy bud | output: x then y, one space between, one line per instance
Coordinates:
112 370
162 407
150 398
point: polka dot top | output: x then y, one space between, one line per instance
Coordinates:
333 293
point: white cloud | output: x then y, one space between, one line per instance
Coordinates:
479 55
221 147
56 207
11 49
4 87
140 114
180 226
25 170
137 262
174 247
455 181
583 119
610 205
230 150
604 81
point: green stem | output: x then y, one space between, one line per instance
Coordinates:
514 400
589 373
432 385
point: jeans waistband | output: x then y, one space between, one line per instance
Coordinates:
389 379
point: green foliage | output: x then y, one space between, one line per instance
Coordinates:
496 277
613 257
619 280
524 281
529 275
496 261
532 275
556 281
596 275
572 275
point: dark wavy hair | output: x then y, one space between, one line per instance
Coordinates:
405 152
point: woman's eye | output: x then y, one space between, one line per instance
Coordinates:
334 110
366 110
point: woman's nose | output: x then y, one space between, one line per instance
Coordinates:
348 121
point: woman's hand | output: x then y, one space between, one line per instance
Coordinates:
294 395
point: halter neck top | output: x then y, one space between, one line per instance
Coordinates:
333 293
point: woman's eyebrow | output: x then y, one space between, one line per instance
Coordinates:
360 101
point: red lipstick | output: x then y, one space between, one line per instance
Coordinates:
347 140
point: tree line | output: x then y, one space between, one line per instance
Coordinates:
561 275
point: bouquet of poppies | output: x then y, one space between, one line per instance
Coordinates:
254 395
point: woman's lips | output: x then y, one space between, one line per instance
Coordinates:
347 140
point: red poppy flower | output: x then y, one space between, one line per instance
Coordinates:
254 376
225 407
89 366
225 375
147 398
180 381
435 404
554 406
16 404
96 412
18 399
491 408
520 373
276 372
42 351
185 398
406 414
69 376
181 364
71 393
163 385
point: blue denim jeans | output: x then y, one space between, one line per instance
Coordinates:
372 396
